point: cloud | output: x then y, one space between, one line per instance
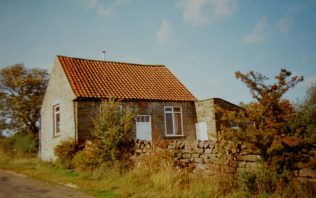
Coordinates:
287 20
109 10
284 24
104 10
89 3
200 12
165 32
258 34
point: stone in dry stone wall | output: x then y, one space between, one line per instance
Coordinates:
211 158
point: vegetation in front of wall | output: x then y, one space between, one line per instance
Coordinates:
153 175
65 152
282 133
111 140
267 182
112 134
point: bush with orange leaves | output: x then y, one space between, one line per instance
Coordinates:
270 123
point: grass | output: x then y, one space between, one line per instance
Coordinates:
103 182
145 180
31 166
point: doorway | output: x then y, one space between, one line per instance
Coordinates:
143 127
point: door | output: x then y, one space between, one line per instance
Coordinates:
143 127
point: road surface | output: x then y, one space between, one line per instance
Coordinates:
13 185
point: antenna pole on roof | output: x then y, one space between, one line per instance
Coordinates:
103 52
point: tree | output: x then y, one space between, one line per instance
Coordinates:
113 130
270 122
21 95
307 111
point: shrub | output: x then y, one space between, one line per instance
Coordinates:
65 152
269 127
267 182
248 182
87 158
20 143
25 143
113 131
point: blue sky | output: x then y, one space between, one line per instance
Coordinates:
203 42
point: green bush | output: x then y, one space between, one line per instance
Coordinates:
248 182
20 143
25 143
266 181
113 131
86 160
65 152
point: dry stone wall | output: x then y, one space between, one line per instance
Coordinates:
211 158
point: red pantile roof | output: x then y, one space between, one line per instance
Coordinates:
105 79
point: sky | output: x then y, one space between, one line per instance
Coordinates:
203 42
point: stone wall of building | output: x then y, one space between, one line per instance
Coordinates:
211 158
59 93
156 110
86 111
207 112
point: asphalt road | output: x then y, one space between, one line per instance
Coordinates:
13 185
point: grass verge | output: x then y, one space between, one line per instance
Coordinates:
105 182
149 179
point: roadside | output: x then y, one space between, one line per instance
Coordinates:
16 185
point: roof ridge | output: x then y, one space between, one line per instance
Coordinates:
109 61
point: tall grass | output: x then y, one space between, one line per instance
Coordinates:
151 176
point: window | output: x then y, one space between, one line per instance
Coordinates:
173 121
241 125
56 110
234 125
143 118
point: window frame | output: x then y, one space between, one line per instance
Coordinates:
143 116
234 125
173 123
56 126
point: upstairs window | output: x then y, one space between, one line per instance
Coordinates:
56 112
173 121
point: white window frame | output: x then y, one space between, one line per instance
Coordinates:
173 124
142 116
56 128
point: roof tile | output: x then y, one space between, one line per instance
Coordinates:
105 79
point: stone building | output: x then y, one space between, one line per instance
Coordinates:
165 107
209 120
